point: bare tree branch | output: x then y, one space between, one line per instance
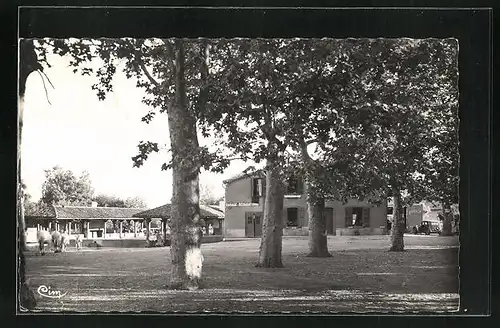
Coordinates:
45 87
144 69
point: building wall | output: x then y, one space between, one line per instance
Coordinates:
240 191
238 202
234 222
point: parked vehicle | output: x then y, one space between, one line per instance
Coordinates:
427 227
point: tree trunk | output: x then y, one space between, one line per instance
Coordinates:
28 64
447 219
318 242
272 228
398 224
185 248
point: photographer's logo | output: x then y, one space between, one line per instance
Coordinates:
47 291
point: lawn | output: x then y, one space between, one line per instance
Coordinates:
361 276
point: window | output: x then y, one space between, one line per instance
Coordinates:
292 217
257 189
294 186
357 217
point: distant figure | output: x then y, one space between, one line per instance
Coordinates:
389 226
64 241
210 229
158 238
78 242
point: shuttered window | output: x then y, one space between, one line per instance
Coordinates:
302 216
292 217
357 216
295 186
348 217
366 217
256 189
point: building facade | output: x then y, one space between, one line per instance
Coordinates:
244 204
88 222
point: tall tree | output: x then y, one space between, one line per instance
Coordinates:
135 202
109 201
440 177
248 103
389 129
207 196
104 200
172 72
62 187
28 63
312 125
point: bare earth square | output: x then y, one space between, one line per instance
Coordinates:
362 276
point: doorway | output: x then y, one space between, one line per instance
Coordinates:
330 223
253 224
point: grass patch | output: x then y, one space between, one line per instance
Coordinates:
136 279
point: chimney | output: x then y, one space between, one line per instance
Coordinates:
94 204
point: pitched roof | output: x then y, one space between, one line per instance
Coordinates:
40 211
85 212
249 172
164 212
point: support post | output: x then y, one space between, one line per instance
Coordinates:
135 228
164 230
87 228
104 230
121 229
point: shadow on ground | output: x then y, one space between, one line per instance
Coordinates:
361 276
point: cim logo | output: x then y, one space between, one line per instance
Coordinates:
47 291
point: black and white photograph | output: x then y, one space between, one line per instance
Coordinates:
239 175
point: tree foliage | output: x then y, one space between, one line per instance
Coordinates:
104 200
207 196
62 187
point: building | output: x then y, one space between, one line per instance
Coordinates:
89 222
210 216
211 219
244 203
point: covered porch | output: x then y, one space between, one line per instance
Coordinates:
211 220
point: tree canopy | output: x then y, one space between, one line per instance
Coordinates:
104 200
62 187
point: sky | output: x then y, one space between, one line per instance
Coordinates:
78 132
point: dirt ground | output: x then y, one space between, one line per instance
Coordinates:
361 276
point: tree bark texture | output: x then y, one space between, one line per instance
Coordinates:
398 224
28 64
447 219
185 214
318 241
272 228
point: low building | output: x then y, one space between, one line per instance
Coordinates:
212 218
244 204
89 222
